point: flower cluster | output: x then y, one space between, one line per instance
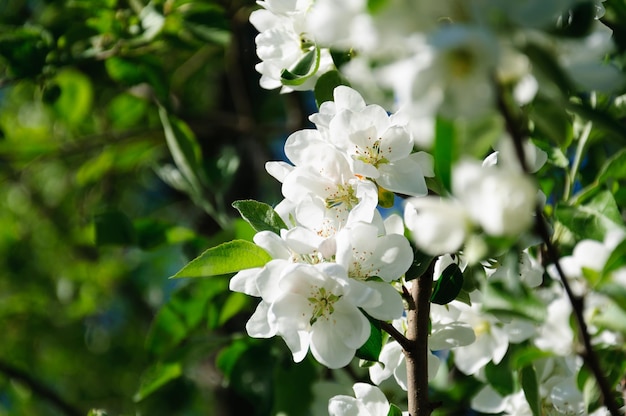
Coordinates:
450 71
337 257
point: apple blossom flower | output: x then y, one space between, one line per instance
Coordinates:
378 148
492 337
283 42
312 307
437 225
368 401
501 201
450 74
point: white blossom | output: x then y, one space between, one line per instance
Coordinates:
368 401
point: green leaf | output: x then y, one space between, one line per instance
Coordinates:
228 357
616 260
421 262
593 219
601 119
156 377
612 316
614 168
577 21
588 385
551 122
76 99
124 71
183 314
546 65
25 49
229 257
326 84
304 69
518 302
235 303
114 228
394 410
444 151
526 356
260 216
477 136
126 110
448 286
530 385
184 148
500 377
370 351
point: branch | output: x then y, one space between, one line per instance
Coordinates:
39 389
416 352
396 335
588 354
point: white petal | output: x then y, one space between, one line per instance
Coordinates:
488 401
373 399
347 98
258 325
455 334
391 306
273 244
245 282
403 176
345 406
278 169
437 226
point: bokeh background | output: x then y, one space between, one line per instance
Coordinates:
95 214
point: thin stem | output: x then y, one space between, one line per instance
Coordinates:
582 142
39 389
588 354
417 352
396 335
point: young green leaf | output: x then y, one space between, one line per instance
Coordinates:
420 264
156 377
260 216
394 410
593 219
530 385
371 349
306 67
184 148
229 257
326 84
448 286
500 377
500 300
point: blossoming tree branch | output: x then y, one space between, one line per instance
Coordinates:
436 218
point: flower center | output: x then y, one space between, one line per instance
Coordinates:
343 195
323 304
461 62
372 155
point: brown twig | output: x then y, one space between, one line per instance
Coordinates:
39 389
417 352
588 354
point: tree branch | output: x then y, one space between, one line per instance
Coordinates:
416 352
39 389
588 354
396 335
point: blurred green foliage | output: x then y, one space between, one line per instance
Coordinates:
126 130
